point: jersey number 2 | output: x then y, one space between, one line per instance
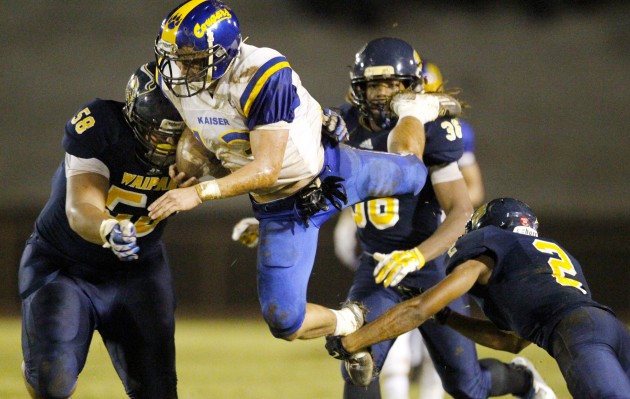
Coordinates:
561 266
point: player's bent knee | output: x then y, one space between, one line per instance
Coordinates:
53 379
283 323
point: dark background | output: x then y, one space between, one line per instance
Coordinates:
548 83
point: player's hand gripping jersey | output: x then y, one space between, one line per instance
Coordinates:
259 90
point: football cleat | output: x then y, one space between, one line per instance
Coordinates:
540 389
360 368
449 107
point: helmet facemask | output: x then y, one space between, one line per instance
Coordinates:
156 124
377 109
156 145
187 72
196 47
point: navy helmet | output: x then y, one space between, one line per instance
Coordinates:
156 124
381 59
505 213
197 43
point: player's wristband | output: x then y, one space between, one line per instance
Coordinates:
107 226
208 190
420 256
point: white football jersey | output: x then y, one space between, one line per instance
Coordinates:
241 102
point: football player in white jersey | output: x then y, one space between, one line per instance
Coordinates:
247 106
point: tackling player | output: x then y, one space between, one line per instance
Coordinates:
403 237
95 260
527 285
409 351
249 108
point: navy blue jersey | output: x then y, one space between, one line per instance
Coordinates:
534 283
468 134
402 222
99 130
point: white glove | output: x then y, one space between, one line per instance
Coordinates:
120 236
246 232
424 107
393 267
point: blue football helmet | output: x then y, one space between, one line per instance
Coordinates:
432 77
383 59
156 124
506 213
197 44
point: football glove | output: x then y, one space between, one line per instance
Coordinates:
334 126
335 348
393 267
120 236
246 232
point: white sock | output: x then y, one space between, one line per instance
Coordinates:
346 321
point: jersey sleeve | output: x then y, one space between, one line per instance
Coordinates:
488 240
92 129
270 96
468 134
444 143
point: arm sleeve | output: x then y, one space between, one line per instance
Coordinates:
76 166
270 96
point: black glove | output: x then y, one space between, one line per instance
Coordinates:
312 198
441 316
335 348
334 191
407 292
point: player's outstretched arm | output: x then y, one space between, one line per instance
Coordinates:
411 313
484 332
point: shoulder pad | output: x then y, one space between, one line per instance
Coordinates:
444 143
93 128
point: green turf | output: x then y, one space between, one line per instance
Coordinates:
228 359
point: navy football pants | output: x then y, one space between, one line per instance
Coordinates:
131 307
592 348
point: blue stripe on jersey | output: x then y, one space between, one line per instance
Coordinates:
270 96
231 136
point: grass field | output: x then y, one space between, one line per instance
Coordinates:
219 359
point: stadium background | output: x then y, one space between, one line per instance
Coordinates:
548 81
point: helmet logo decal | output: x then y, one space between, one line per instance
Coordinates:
525 221
479 213
220 15
174 21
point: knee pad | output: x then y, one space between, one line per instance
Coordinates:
56 379
283 321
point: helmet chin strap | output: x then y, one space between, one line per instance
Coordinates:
384 120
